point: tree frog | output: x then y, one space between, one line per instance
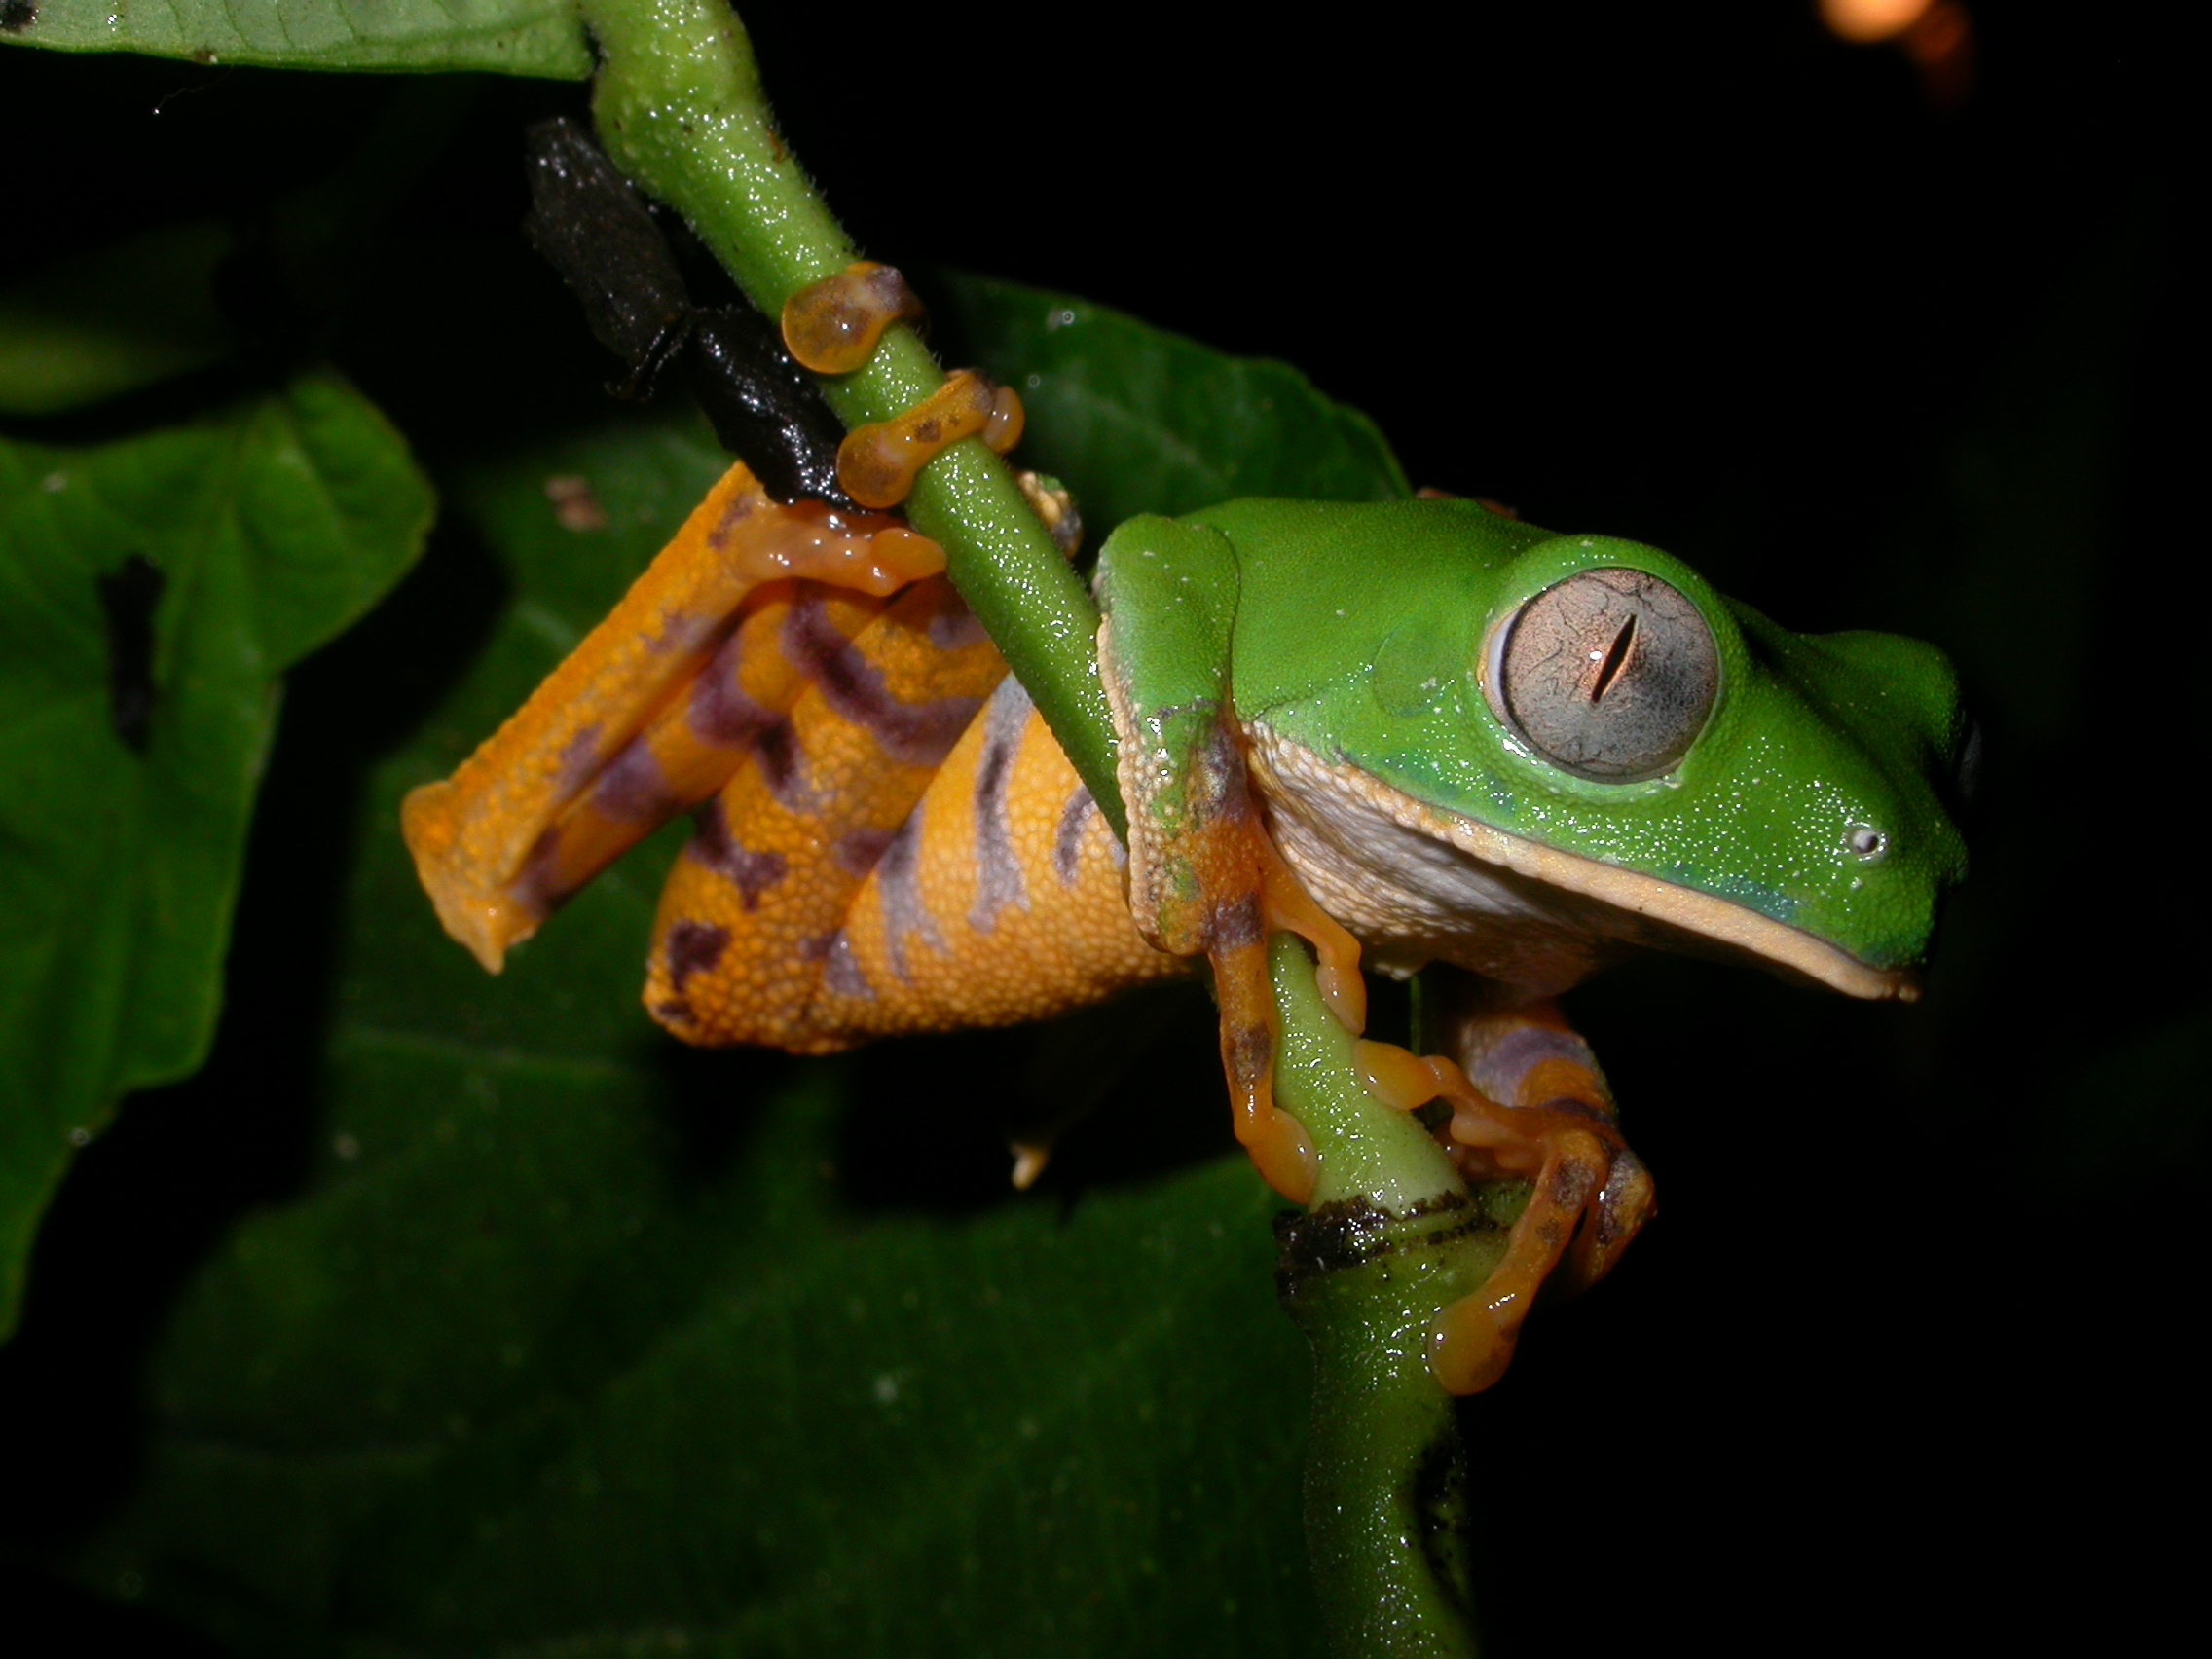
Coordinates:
1413 732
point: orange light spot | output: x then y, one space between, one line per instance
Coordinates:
574 506
1866 21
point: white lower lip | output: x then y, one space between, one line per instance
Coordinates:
1299 770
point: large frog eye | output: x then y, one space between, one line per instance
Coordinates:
1609 675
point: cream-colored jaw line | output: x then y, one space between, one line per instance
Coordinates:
1684 908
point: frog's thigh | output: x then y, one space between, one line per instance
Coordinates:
480 837
1000 899
757 894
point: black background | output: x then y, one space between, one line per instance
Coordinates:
1905 1361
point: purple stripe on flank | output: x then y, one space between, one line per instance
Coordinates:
1067 842
896 880
858 850
632 789
998 873
751 874
693 947
719 712
841 973
1498 1070
534 887
579 759
956 630
915 734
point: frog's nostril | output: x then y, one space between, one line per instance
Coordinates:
1866 842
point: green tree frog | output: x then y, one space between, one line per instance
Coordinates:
1413 732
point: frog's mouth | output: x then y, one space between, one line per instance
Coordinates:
1417 883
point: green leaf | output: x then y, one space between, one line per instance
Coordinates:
505 37
113 320
1135 419
576 1342
151 592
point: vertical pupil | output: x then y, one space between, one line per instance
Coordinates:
1609 674
1615 658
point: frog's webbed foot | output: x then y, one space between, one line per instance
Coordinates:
1535 1108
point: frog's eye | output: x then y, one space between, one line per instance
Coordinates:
1609 675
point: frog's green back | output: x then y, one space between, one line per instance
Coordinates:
1812 794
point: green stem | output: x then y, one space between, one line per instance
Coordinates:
1367 1150
679 107
1393 1237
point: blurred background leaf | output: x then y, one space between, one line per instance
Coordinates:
1143 420
151 592
701 1340
115 319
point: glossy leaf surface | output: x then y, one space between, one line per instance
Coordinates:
505 37
575 1340
1185 426
151 592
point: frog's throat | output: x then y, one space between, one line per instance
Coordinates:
1359 809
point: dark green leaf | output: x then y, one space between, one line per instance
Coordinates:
151 592
577 1341
1135 419
113 320
506 37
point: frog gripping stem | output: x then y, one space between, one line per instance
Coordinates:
877 463
1204 878
1535 1108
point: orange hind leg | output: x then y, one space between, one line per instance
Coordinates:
995 897
603 749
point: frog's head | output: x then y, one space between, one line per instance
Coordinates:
1592 713
1792 788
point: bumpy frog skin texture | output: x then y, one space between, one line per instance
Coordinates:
1802 825
1413 732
